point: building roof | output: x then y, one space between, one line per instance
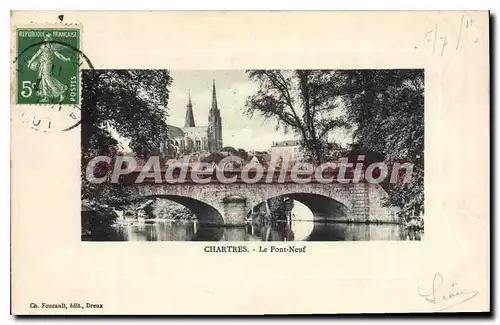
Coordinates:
287 143
258 157
175 132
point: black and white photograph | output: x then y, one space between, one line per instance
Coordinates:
252 155
337 160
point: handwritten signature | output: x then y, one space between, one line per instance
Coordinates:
447 296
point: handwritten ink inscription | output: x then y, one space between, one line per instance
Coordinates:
445 295
440 40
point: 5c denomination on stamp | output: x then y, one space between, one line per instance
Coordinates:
46 75
48 66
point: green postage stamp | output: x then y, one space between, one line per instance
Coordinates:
47 66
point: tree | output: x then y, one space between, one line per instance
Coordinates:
241 153
303 101
229 149
213 157
386 108
132 102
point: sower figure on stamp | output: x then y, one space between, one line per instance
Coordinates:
42 61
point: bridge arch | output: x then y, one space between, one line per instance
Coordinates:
224 202
323 208
204 212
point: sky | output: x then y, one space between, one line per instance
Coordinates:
233 87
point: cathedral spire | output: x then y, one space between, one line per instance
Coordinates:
214 137
189 113
214 96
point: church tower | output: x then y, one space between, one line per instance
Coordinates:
189 113
214 125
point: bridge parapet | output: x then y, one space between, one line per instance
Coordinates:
230 203
277 176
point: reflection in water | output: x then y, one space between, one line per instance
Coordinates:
302 227
297 230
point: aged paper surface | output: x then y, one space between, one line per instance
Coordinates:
56 269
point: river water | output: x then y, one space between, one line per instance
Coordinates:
166 230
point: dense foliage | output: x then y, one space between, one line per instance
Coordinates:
303 101
387 109
133 104
383 109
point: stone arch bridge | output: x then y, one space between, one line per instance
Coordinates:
229 204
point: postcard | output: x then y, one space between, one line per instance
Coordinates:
249 163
